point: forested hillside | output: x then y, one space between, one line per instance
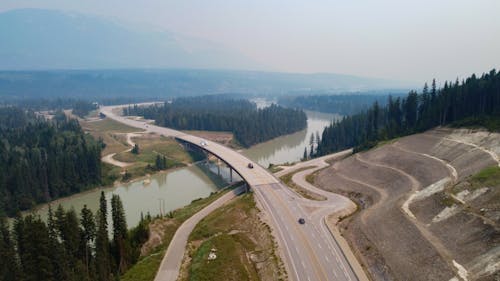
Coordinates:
215 113
42 160
474 102
70 246
340 104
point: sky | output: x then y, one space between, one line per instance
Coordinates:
393 39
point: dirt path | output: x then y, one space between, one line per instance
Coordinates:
491 153
109 158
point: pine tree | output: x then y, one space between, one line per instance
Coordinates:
135 149
35 258
88 233
59 257
71 236
102 256
305 153
9 265
119 233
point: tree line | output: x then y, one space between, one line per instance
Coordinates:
219 113
341 104
70 246
473 102
41 160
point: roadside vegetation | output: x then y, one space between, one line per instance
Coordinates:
274 168
287 179
162 231
242 243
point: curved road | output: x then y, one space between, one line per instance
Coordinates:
309 251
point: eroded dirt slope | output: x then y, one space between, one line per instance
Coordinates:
423 216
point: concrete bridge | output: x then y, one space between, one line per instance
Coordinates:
309 251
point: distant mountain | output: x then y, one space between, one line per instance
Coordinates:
164 83
109 59
48 39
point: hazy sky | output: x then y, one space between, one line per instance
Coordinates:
409 40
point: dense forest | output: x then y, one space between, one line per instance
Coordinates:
82 108
219 113
473 102
70 246
341 104
41 160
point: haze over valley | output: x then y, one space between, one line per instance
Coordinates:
208 140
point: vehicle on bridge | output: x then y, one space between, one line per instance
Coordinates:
250 165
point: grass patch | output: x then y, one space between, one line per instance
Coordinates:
274 169
310 178
489 176
287 179
110 125
244 246
447 200
150 146
145 269
142 270
231 262
107 130
384 142
110 174
491 123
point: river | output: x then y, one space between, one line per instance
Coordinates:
290 148
173 189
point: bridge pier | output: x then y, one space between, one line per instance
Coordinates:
230 174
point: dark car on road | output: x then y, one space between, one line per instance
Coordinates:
302 221
250 165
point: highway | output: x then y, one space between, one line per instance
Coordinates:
309 250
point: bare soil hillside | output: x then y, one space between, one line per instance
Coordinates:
425 215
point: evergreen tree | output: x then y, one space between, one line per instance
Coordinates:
217 113
102 256
35 256
60 260
41 160
9 265
88 233
135 149
119 234
474 101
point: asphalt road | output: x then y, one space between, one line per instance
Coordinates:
309 250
